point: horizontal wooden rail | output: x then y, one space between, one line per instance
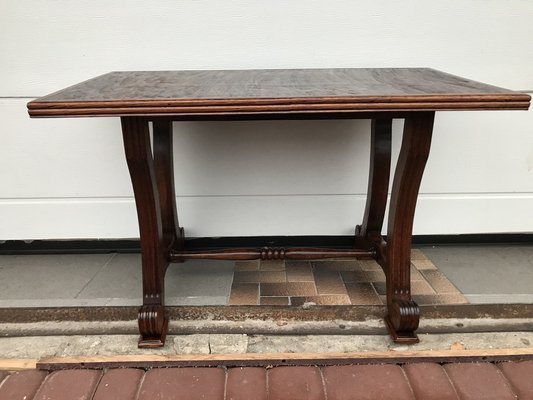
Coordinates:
270 253
275 359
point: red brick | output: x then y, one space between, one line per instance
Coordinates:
246 384
479 381
119 384
183 384
366 382
21 385
520 375
429 382
295 383
68 385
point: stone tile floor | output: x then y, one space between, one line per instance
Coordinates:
482 380
334 282
487 274
440 275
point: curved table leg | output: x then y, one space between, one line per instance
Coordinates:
403 313
152 319
173 234
378 182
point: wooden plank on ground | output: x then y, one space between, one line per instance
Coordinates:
273 359
17 364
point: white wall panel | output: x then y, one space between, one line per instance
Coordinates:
67 178
47 44
473 152
258 215
60 157
481 152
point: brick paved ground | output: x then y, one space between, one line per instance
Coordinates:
483 381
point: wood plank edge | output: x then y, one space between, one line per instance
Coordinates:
277 359
17 364
213 102
230 111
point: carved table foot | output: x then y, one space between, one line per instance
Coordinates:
402 321
153 325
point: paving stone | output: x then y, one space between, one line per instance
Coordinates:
244 294
328 299
369 265
59 385
381 288
520 376
376 276
295 383
121 277
429 382
299 271
199 277
415 274
340 265
423 265
354 276
288 289
329 282
366 382
272 265
439 282
183 384
186 301
247 265
486 269
362 293
245 277
417 254
259 276
421 287
363 276
119 384
246 384
434 299
479 381
524 298
28 276
21 385
274 301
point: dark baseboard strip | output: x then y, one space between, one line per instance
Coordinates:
475 239
69 246
132 246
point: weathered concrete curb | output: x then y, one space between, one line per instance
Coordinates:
271 327
38 347
264 313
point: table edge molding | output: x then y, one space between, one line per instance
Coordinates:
237 107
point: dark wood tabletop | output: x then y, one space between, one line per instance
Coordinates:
282 91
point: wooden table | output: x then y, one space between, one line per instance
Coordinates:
413 94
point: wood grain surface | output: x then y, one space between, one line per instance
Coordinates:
293 91
271 359
17 364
